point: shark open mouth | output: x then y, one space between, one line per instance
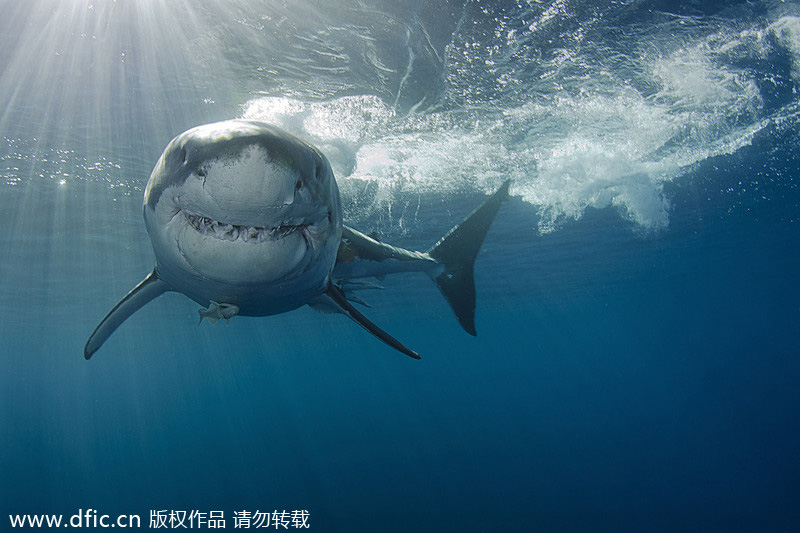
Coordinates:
250 234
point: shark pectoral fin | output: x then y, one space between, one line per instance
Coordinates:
337 296
151 287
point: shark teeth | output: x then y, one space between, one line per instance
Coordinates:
232 232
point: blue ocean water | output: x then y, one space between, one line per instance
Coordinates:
637 360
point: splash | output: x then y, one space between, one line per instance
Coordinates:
578 152
585 125
581 108
786 34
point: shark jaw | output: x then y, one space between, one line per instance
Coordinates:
238 250
249 234
264 252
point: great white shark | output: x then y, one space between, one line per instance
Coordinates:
246 219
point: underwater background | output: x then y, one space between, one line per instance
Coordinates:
638 352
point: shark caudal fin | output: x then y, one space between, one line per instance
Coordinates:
457 250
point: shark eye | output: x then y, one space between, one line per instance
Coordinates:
201 172
298 185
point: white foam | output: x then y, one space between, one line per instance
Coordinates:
786 33
350 118
610 146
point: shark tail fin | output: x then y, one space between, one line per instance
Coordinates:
151 287
457 250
